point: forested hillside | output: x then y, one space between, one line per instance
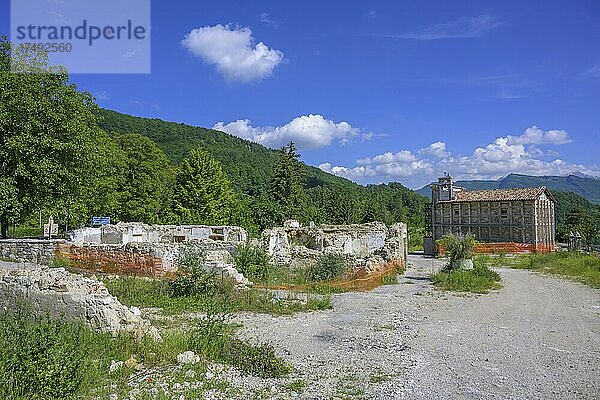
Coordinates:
249 166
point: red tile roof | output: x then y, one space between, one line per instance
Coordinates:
500 194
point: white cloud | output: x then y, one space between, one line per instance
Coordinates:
307 132
380 172
437 149
466 27
535 135
388 158
233 53
510 154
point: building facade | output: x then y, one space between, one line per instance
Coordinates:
522 216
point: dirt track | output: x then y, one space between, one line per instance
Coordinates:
537 337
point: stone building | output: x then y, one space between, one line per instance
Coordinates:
524 216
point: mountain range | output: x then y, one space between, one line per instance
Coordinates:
584 185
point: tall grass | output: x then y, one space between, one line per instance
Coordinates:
478 280
255 264
46 358
149 292
584 268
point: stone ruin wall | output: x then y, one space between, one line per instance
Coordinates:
35 251
152 250
149 249
364 246
60 293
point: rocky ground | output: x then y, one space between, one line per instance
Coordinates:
537 337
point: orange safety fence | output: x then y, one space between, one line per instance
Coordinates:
361 281
111 261
505 248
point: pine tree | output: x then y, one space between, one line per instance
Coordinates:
203 194
287 183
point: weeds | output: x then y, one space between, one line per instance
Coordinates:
46 358
297 386
390 279
580 267
480 279
149 292
61 262
253 262
327 267
40 357
192 277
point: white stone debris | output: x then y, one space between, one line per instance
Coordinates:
59 292
115 365
188 357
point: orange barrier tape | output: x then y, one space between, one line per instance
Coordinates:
365 283
111 261
505 247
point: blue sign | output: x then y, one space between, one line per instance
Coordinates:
100 221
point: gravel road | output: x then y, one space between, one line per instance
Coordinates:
537 337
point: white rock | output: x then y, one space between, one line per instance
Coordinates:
190 374
187 357
115 365
136 311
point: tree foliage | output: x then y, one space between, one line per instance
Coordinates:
202 193
287 184
46 131
146 187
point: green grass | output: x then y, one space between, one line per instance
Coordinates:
580 267
391 279
478 280
148 292
297 386
46 358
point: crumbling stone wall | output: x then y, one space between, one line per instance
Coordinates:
29 250
113 259
367 246
137 232
59 292
152 250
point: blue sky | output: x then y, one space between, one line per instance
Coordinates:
380 91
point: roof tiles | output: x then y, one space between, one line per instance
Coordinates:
499 194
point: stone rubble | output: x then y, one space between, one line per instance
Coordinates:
59 292
364 246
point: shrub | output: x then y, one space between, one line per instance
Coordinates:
253 262
259 360
39 357
192 277
391 279
327 267
214 338
480 279
458 248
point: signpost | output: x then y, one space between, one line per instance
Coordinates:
98 221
